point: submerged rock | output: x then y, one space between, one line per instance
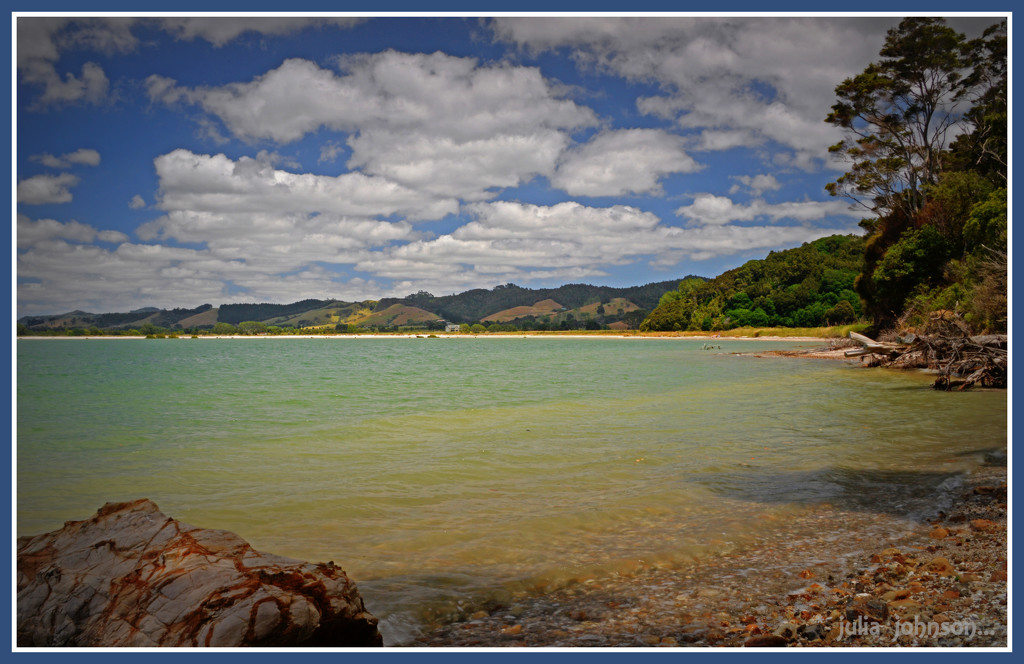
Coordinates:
131 576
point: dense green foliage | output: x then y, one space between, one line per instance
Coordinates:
808 286
238 313
938 240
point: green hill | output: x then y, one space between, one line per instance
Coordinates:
808 286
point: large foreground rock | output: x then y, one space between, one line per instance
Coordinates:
131 576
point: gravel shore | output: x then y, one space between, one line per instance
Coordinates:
941 582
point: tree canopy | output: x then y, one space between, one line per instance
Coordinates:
926 142
808 286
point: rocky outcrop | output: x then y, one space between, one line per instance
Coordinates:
131 576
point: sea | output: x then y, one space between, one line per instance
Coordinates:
442 473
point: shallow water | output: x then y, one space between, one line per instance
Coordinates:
442 471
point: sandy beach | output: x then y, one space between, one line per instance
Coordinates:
442 335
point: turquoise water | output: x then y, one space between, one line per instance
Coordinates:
441 470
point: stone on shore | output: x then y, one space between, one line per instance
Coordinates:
131 576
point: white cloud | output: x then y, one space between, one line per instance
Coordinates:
84 156
221 30
467 169
329 151
739 81
757 184
32 232
43 189
215 183
519 242
59 276
712 210
275 221
435 122
41 41
626 161
137 202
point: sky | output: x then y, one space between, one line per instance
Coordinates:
181 160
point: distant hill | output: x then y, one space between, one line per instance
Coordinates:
479 304
565 307
542 308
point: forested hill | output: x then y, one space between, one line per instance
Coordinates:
477 304
808 286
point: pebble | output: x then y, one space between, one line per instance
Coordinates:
761 596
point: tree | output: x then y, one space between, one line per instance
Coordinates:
252 327
224 328
898 114
917 259
984 148
841 313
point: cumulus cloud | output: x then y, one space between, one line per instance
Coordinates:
738 81
443 124
137 202
274 221
43 189
756 184
214 183
626 161
32 232
41 40
712 210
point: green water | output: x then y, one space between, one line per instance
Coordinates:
439 470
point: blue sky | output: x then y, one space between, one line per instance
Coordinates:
177 161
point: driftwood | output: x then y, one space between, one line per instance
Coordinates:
869 346
960 359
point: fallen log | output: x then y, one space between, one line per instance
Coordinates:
960 360
871 347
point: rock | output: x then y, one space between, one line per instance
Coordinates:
939 533
766 641
131 576
867 610
940 566
787 631
903 593
812 632
983 525
906 607
693 632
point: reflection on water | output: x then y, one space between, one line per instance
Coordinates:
438 470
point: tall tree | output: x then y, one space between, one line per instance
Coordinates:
898 114
983 147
